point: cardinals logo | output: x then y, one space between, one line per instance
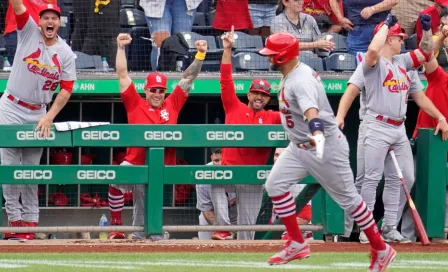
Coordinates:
35 67
282 99
394 85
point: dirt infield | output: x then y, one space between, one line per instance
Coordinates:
68 246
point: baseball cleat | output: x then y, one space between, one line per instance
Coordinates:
20 236
222 235
392 235
292 250
380 260
116 234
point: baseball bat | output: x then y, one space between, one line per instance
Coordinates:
415 216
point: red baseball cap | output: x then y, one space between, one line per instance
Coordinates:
260 85
441 2
50 7
155 80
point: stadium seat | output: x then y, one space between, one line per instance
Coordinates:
213 60
2 45
85 62
247 61
411 42
127 3
340 62
200 25
339 42
130 17
199 19
244 42
311 60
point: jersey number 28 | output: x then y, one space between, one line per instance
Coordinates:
50 86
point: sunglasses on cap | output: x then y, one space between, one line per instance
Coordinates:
156 90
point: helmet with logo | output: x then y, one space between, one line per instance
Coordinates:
395 30
155 80
283 46
260 85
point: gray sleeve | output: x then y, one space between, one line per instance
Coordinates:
416 83
357 78
69 67
28 31
306 95
406 61
277 25
204 201
315 28
374 71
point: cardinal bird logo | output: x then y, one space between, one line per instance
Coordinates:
56 62
389 79
33 56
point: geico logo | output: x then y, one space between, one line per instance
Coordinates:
100 135
33 174
218 174
225 135
96 174
263 174
163 135
277 135
33 135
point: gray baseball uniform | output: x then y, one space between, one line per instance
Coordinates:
358 80
301 90
386 99
35 75
204 203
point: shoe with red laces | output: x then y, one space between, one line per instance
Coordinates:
116 234
292 250
380 260
222 235
20 236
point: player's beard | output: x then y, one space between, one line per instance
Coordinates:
275 67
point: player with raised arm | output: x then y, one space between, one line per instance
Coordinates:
43 62
153 109
317 147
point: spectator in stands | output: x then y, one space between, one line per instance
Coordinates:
227 15
317 8
361 19
205 205
436 11
97 24
165 18
10 33
291 19
408 11
262 12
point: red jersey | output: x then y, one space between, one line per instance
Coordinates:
33 9
435 22
232 12
239 113
437 92
139 111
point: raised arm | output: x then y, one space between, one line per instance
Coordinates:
229 98
427 45
346 23
18 7
192 72
121 63
385 5
373 53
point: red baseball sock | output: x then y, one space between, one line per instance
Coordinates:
366 223
116 203
285 207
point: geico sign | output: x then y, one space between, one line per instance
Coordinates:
263 174
100 135
33 174
96 174
225 135
209 174
163 135
33 135
277 135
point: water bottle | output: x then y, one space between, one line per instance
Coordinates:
105 65
6 65
103 223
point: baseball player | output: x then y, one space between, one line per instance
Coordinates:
317 148
43 62
205 205
391 218
386 104
154 109
304 216
248 197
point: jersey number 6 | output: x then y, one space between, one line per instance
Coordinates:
289 121
50 86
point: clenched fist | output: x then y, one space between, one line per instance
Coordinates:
123 39
201 46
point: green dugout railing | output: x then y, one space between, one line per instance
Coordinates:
155 174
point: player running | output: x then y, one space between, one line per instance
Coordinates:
154 109
42 62
305 111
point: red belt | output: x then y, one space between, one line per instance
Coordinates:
25 104
390 121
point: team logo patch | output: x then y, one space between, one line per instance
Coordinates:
35 67
165 115
397 85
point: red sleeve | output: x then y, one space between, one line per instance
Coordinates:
228 95
277 118
178 98
435 76
130 98
67 85
22 19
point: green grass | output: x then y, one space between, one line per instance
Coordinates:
215 262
